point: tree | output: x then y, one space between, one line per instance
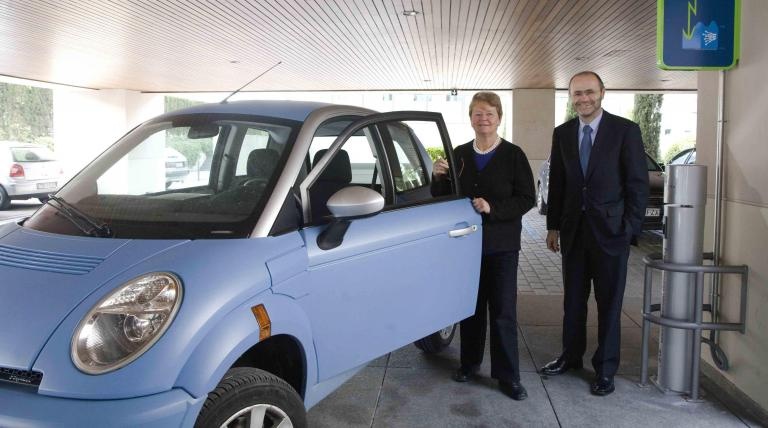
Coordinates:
647 114
570 112
27 113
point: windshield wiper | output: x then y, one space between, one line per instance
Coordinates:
83 221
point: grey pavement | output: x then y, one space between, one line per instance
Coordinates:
408 388
18 210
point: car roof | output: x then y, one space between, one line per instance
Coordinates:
291 110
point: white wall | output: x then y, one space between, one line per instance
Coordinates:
745 210
86 122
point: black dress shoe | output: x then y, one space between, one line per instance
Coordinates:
602 386
513 390
465 373
560 366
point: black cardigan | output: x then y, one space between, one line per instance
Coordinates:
506 183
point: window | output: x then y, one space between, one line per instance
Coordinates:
356 163
408 163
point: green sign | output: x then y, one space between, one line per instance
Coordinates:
698 34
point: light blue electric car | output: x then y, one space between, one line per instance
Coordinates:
307 244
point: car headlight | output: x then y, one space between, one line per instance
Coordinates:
126 323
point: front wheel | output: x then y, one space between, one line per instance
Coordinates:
248 397
437 341
5 200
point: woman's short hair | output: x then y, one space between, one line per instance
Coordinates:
486 97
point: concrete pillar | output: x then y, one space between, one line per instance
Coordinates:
86 122
533 118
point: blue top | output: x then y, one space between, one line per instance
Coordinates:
482 160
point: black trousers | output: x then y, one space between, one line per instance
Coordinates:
586 264
497 293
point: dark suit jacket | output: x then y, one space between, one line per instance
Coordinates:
613 193
506 183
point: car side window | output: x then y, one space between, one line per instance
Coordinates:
252 140
356 163
409 164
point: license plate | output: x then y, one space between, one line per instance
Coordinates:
652 212
46 186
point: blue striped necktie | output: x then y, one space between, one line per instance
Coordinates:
585 149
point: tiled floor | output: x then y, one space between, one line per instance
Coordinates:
410 389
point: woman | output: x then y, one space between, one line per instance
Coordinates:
496 176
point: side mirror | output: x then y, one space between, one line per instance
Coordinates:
355 201
347 204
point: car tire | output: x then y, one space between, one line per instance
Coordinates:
5 200
245 392
437 341
541 204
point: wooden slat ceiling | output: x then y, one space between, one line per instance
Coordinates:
218 45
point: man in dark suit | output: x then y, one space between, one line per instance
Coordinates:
598 188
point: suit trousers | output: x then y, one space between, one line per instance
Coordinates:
587 264
497 293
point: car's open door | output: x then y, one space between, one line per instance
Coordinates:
399 275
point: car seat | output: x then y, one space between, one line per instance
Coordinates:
336 176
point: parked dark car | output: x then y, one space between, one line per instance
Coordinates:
685 157
654 212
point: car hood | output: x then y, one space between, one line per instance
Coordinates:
44 276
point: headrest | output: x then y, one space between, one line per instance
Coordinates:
261 163
338 170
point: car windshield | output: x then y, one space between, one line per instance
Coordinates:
194 176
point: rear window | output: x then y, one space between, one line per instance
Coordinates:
32 154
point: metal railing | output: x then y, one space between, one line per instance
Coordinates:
653 261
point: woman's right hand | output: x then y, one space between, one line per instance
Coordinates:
440 167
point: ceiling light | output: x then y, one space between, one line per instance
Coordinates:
411 12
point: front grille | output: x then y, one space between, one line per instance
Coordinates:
72 264
20 377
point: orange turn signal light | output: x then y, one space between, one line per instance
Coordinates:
262 317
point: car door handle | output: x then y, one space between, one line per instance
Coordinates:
462 232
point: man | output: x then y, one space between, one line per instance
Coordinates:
598 188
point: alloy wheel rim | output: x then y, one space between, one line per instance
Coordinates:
259 416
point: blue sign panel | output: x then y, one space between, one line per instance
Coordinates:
698 34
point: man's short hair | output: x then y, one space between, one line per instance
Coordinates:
486 97
587 73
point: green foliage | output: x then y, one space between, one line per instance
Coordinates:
570 112
647 114
435 153
175 103
677 147
26 114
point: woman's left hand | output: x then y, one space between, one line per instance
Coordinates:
481 205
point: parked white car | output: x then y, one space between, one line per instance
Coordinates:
27 171
176 168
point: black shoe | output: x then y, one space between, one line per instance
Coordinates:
465 373
602 386
513 390
560 366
